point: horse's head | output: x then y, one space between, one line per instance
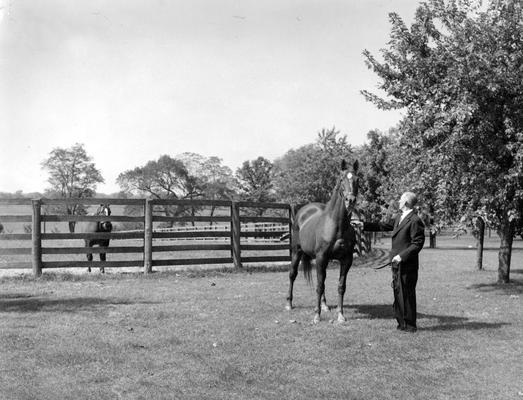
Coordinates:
103 210
349 183
104 226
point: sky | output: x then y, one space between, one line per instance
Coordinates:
132 80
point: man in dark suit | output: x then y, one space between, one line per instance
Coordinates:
408 237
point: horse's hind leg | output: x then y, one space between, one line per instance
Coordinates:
293 273
321 271
324 305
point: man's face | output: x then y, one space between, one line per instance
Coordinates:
403 200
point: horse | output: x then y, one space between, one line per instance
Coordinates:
323 232
97 226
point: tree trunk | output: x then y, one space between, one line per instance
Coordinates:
480 238
212 213
506 233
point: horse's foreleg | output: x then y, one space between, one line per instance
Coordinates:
342 284
103 257
89 256
293 273
321 273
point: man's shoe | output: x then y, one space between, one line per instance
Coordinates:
410 329
400 328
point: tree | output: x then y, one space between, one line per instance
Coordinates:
215 180
255 180
457 72
72 175
309 173
376 183
165 178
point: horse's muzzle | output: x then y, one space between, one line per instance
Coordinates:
350 201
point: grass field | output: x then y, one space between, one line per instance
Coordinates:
223 335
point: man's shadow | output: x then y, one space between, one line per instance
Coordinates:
444 322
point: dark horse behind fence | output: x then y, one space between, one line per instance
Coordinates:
323 232
96 226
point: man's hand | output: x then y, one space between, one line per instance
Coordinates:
396 259
356 223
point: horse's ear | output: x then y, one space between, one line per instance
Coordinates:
343 165
355 166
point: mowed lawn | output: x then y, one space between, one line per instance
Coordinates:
218 335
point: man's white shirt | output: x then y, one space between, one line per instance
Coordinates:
404 214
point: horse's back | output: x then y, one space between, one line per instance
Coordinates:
308 213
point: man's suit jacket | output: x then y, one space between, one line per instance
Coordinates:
408 238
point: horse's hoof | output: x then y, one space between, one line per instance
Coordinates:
325 307
316 319
341 318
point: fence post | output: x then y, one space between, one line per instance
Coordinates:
235 235
36 239
148 237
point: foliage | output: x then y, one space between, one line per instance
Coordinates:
216 181
309 173
165 178
379 188
458 72
186 176
255 180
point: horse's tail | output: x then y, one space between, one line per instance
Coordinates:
287 235
307 268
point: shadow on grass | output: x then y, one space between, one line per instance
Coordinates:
444 322
27 303
514 287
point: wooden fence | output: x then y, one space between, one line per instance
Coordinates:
145 249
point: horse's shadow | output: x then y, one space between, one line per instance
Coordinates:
19 302
444 322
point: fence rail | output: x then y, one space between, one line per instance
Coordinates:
228 232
